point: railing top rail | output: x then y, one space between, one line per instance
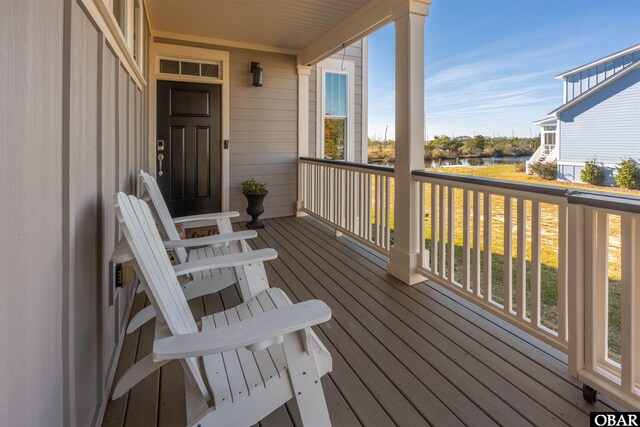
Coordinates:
496 183
623 203
352 165
596 199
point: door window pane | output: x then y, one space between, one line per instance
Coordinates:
334 137
335 95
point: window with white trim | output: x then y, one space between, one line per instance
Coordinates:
128 15
336 94
119 9
137 30
335 115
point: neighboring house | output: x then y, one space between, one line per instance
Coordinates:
599 119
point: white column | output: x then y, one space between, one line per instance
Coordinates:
303 126
409 19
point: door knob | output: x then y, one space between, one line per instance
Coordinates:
160 159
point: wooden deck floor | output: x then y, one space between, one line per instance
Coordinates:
408 356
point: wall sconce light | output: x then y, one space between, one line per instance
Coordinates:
256 74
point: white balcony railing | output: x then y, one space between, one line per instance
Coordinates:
354 198
484 242
563 266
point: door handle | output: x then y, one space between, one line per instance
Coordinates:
160 159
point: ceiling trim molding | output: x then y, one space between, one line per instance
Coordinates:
222 42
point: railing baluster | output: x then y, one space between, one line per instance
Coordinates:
475 268
314 192
347 177
367 206
488 217
535 263
600 313
521 261
466 255
423 257
451 253
387 242
337 215
354 202
628 296
342 192
507 269
563 272
360 231
327 192
635 356
377 208
441 233
590 269
383 210
349 219
434 229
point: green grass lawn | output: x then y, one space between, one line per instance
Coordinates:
549 245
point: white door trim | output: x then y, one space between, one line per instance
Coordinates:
184 52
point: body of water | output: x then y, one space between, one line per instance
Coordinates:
470 161
476 161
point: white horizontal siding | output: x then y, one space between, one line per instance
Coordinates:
264 130
606 125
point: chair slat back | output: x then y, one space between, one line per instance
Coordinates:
153 264
162 212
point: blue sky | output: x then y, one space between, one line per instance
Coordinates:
490 64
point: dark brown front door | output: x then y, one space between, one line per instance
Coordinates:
188 149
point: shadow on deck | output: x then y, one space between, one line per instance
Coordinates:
401 355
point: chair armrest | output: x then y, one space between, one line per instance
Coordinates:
206 217
211 240
222 261
262 327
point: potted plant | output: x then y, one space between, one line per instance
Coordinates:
255 192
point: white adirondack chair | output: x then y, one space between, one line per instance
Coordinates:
205 281
243 363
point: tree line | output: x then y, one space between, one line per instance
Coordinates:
446 147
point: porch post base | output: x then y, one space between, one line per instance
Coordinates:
299 211
403 266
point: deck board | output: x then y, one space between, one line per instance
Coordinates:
402 355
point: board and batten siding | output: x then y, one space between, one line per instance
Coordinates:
106 134
74 125
351 53
605 125
31 279
580 82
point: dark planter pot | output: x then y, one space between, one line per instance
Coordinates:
255 209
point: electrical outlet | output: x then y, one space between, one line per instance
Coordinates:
119 275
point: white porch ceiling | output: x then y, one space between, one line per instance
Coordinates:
288 25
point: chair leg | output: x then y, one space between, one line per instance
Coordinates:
305 380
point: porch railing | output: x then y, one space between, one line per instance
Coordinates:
607 294
484 241
354 198
561 265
